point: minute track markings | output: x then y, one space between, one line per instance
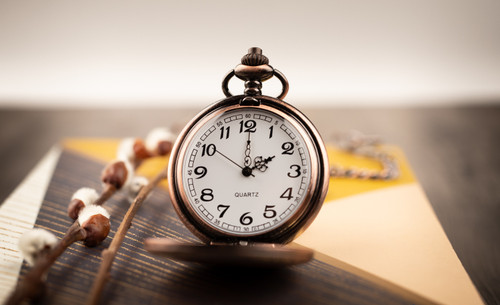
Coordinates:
261 146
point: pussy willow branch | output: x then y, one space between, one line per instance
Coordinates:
32 285
108 255
106 193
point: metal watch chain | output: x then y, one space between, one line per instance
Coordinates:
363 145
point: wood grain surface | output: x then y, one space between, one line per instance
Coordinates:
454 152
138 277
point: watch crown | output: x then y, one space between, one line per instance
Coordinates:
254 69
254 58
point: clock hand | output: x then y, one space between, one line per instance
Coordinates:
243 169
247 171
248 159
261 164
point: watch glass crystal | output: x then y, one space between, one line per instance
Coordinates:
245 171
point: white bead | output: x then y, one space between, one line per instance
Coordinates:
90 211
34 241
125 150
87 195
156 136
135 186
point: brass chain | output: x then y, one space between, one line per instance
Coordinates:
363 145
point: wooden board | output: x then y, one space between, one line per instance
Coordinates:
138 277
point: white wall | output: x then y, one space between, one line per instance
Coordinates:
147 53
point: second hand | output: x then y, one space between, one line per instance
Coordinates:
231 160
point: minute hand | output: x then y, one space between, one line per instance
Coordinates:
247 159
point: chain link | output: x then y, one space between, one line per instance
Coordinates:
363 145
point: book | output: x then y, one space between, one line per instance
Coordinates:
374 242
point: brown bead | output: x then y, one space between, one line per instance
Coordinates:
165 147
140 151
115 174
97 228
74 208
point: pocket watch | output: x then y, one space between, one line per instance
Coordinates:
246 175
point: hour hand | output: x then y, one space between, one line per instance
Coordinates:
261 164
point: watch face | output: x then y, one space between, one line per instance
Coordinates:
245 171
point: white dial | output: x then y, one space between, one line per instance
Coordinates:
245 171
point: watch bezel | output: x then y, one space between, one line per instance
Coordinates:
290 228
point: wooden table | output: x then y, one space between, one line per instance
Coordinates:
453 151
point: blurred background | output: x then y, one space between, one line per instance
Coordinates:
423 74
174 53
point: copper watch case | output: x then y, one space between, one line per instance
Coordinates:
301 218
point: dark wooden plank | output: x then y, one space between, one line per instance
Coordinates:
454 152
138 277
